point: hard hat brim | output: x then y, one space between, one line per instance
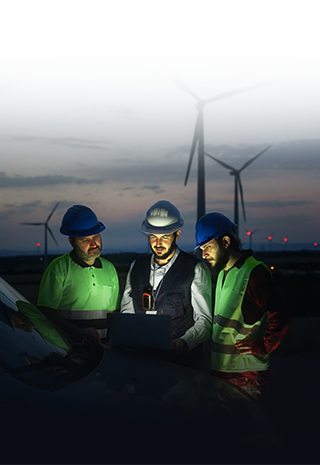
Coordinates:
147 228
206 241
89 232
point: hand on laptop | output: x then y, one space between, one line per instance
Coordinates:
180 346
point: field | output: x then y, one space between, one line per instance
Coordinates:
291 400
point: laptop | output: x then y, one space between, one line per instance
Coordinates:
143 331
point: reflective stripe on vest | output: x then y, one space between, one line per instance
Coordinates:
96 319
229 326
83 314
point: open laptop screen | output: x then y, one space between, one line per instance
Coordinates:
140 330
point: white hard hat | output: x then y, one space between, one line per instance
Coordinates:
162 218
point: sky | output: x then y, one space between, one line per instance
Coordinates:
91 114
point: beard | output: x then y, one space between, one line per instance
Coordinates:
221 261
167 254
91 254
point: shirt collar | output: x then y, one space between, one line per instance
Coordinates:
245 254
155 266
76 259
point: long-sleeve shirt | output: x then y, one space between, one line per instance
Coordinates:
201 299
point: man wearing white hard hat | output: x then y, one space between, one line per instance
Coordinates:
173 282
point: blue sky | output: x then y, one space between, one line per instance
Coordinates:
90 113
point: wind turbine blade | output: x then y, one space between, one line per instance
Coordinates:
241 195
193 147
234 92
48 229
252 232
221 162
254 158
54 208
172 76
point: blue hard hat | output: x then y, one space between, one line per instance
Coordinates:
211 226
80 221
162 218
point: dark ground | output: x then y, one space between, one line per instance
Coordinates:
291 399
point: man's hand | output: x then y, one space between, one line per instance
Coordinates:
91 334
180 346
251 346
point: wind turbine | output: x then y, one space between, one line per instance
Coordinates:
270 238
250 234
46 230
237 185
198 139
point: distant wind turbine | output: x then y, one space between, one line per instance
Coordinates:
198 139
250 234
237 185
46 230
270 238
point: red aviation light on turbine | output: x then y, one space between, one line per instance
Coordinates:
315 244
249 233
38 244
285 239
269 238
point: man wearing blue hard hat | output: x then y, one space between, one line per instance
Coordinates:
250 316
78 289
170 281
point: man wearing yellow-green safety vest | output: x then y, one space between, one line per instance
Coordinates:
250 315
78 289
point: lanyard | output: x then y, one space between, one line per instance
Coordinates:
155 293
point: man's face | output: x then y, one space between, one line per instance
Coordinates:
163 246
215 254
87 248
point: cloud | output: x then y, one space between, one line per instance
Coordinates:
41 181
157 189
34 204
279 203
65 141
27 208
122 110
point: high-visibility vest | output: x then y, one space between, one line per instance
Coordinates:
229 326
82 294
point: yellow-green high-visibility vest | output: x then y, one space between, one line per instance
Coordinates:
229 326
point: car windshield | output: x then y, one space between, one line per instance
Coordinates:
36 351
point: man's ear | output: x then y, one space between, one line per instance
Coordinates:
226 242
178 234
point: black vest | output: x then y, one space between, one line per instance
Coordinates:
174 297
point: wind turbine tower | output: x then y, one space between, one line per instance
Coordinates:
250 234
237 185
198 140
46 230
